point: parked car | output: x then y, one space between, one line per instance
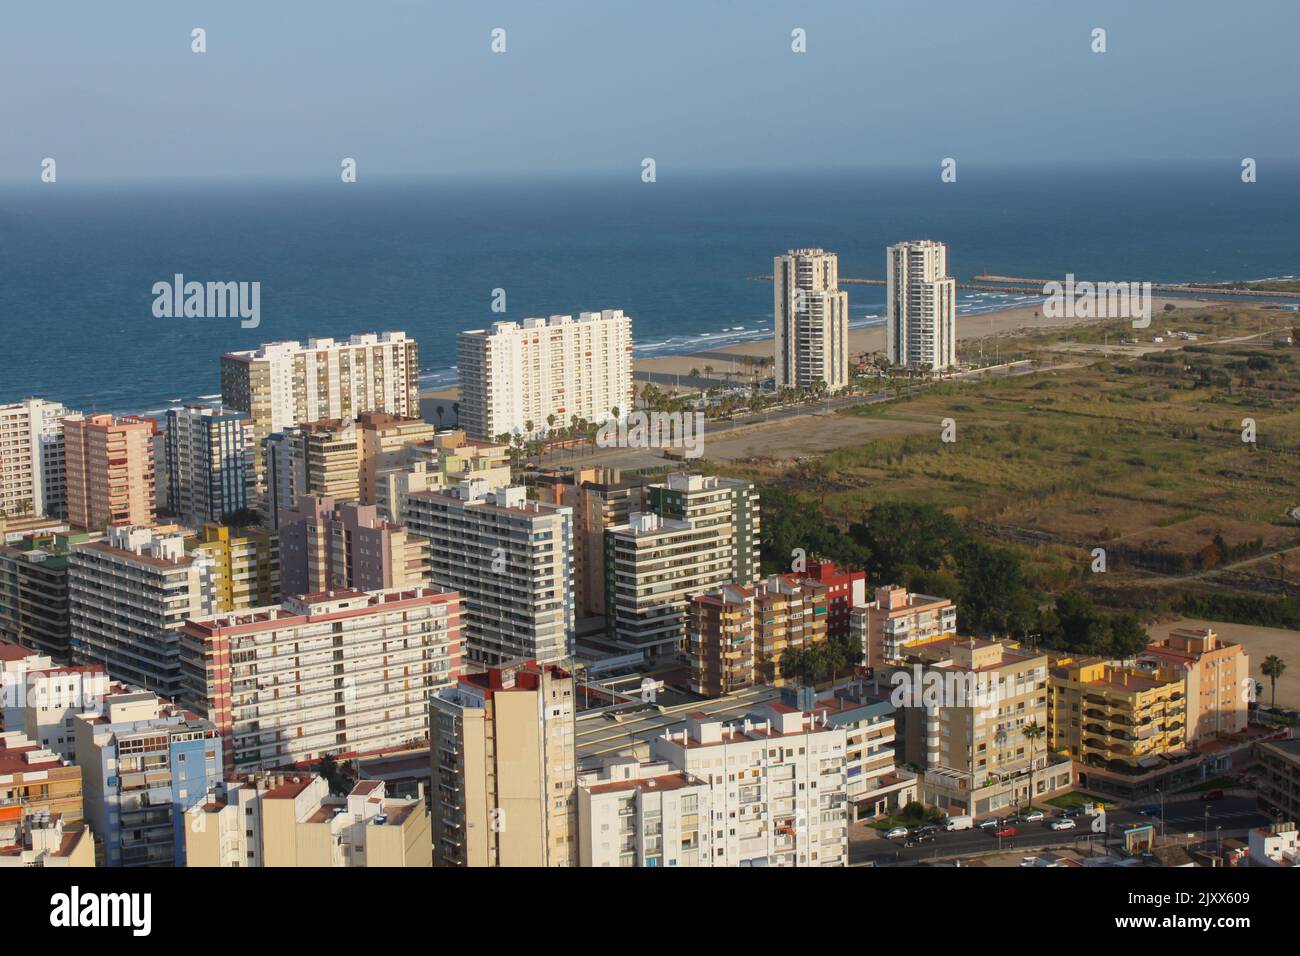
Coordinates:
1034 816
1063 824
916 839
1071 813
1215 794
990 822
896 833
960 822
1006 832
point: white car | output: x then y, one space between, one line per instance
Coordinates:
1066 824
1034 816
897 833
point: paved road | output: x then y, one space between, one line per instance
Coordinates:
1185 815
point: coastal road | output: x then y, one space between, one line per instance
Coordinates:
1233 813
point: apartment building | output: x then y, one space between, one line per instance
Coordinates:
812 320
1279 779
35 781
210 462
1116 721
898 618
527 378
504 768
963 706
643 813
245 565
511 560
110 471
34 608
920 306
320 458
699 532
601 499
729 505
1215 676
778 786
654 566
39 698
340 672
258 820
43 840
736 636
383 441
144 762
1274 845
325 547
282 384
443 461
129 594
32 459
845 590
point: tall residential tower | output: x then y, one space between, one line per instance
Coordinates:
920 303
812 320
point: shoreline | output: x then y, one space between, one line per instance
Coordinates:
862 341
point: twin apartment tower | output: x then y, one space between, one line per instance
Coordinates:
812 314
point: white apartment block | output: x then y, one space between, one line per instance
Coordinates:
210 461
1276 845
32 459
343 672
921 306
632 813
511 559
812 320
39 698
544 371
128 596
778 786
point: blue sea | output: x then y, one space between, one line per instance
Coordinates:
77 263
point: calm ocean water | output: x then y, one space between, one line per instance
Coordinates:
77 263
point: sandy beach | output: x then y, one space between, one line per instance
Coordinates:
861 341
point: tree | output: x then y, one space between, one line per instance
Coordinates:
901 535
340 777
1272 668
439 409
1032 733
994 599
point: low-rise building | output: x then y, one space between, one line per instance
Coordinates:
43 839
274 820
1276 845
34 779
1279 780
898 618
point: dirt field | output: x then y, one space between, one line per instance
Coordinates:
1259 642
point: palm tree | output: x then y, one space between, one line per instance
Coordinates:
439 410
455 410
1032 732
1272 668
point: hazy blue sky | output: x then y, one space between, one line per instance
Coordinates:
288 88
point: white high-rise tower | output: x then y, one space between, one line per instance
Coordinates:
812 320
921 331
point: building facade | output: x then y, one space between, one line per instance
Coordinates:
34 601
339 673
504 768
527 378
110 471
326 547
144 762
210 459
1216 674
32 461
511 559
897 618
812 320
920 307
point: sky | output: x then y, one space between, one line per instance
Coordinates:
411 88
